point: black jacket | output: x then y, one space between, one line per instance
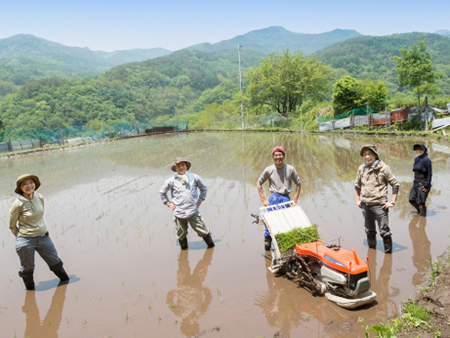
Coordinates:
423 170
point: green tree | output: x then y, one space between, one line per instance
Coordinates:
347 94
415 69
375 95
283 82
350 93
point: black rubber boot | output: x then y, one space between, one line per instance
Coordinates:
387 244
209 241
372 241
183 243
267 243
415 205
59 271
28 280
422 210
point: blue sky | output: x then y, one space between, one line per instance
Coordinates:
173 24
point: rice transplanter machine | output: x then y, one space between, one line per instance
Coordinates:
325 268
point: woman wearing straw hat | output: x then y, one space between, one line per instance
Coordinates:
26 221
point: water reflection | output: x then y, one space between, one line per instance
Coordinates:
316 158
284 305
50 324
380 284
191 299
421 247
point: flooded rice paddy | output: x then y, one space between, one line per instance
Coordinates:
129 277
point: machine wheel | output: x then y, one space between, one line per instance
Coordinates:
298 271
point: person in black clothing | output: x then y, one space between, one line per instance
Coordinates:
422 179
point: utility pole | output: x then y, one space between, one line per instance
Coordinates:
240 85
426 113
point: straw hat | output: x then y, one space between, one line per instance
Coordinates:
22 178
179 160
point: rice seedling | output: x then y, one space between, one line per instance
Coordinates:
288 240
98 298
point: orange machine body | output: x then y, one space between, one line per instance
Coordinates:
336 258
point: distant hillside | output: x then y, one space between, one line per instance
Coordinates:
277 39
25 58
445 32
369 57
133 55
182 82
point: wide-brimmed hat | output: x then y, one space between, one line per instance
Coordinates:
370 147
421 146
278 148
22 178
179 160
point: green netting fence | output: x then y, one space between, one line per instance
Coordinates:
365 110
23 138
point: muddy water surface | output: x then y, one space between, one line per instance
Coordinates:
129 277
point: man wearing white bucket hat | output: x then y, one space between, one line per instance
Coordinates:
185 202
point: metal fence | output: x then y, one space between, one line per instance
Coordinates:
378 119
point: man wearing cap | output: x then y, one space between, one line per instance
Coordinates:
422 179
371 190
185 202
280 176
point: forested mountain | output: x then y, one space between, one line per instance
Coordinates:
182 82
25 58
273 39
369 57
